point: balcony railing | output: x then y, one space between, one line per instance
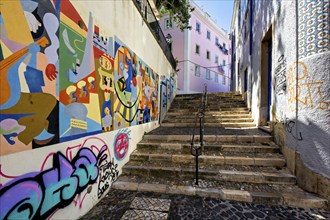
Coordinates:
148 15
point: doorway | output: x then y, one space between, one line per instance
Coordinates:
266 78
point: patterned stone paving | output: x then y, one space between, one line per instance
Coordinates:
144 214
119 204
162 205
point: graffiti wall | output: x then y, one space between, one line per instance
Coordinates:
63 77
71 93
136 88
71 175
167 94
29 65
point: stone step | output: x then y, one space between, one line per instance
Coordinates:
277 195
258 160
234 109
179 147
209 139
175 170
213 113
208 116
209 120
209 124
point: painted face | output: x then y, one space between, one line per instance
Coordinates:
121 146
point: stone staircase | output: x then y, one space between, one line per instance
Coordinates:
240 162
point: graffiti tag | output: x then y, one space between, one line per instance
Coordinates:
290 126
35 196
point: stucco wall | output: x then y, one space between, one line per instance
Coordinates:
82 89
300 105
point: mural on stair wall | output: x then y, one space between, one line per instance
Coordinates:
64 76
136 89
29 65
167 94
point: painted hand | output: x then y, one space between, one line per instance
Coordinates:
51 72
33 23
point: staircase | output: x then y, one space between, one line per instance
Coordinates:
239 162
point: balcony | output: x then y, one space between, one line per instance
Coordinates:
149 17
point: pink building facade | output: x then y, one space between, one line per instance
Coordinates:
203 53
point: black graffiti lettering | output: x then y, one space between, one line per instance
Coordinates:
290 127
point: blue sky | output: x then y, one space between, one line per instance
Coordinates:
220 10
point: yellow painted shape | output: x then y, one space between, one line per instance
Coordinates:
72 25
5 51
17 27
93 108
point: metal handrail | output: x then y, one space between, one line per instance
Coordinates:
198 148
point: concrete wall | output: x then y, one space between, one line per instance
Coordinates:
80 84
300 106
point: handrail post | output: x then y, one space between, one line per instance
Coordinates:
197 149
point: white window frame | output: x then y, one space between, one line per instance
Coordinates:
223 80
208 74
199 27
197 70
216 77
208 34
216 41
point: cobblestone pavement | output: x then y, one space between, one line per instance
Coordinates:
207 131
120 204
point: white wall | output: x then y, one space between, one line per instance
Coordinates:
80 180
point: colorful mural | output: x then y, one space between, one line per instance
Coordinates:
136 88
167 94
29 65
65 76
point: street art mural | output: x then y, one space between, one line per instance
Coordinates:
136 89
167 94
65 76
29 65
69 180
79 102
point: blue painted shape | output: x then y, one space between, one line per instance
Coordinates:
44 135
13 78
8 136
270 49
34 79
13 116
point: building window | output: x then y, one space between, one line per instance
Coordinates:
224 45
208 74
216 77
217 41
168 23
197 70
207 54
223 63
198 27
197 49
208 35
223 80
216 60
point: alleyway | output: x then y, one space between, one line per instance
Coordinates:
120 204
242 173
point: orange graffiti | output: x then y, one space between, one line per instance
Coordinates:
301 89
